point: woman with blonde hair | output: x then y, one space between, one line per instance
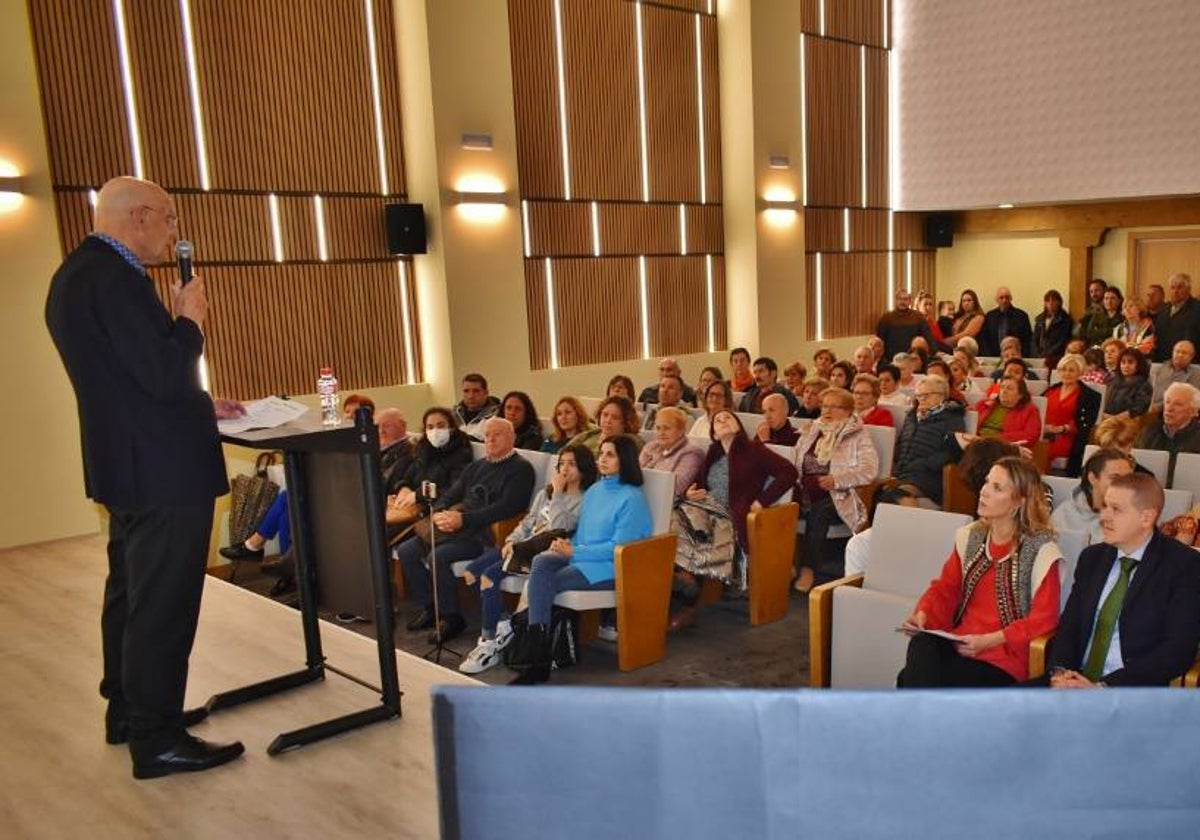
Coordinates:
998 590
569 419
1071 411
1117 433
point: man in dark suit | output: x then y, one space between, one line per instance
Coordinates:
1003 321
1179 318
1133 616
152 457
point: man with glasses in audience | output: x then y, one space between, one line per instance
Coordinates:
1133 615
1005 320
1177 369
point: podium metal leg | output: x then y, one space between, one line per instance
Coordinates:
327 729
258 690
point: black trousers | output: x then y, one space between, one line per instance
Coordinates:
819 517
156 566
933 662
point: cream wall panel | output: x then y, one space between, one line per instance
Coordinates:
1028 264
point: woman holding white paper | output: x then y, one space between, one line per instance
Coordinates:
998 591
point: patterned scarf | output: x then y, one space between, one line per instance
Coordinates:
1014 579
827 438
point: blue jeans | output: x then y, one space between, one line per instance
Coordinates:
552 573
413 555
491 599
277 521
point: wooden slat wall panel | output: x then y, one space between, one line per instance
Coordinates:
705 229
810 16
535 103
297 221
306 122
74 218
822 229
600 63
81 90
700 6
712 109
834 175
559 228
639 228
675 286
910 231
537 319
355 228
597 308
868 230
854 287
164 104
877 128
672 112
860 21
719 304
389 94
924 270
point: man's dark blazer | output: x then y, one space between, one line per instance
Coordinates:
994 330
1170 329
149 431
1160 618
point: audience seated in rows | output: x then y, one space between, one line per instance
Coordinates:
614 512
864 359
671 451
866 391
890 392
491 489
1112 349
766 375
719 396
669 395
794 376
1051 329
743 378
810 398
668 367
517 408
476 406
1136 329
823 359
614 416
841 375
553 514
926 305
1178 368
1010 414
1095 325
1177 428
740 475
1129 391
1095 368
708 376
835 456
775 427
442 454
1081 512
1133 615
922 446
620 386
569 419
998 591
1071 412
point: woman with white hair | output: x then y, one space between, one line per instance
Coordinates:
1071 411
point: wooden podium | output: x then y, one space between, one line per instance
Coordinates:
336 504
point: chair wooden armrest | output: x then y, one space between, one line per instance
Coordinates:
820 627
644 570
501 529
1192 678
1037 655
957 496
771 533
1041 455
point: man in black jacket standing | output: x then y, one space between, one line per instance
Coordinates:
1003 321
152 456
1179 319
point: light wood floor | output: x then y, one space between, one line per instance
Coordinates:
59 779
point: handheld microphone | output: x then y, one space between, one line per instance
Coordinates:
183 258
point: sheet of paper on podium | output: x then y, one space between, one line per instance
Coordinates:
263 414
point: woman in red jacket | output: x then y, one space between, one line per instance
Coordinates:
1010 415
740 474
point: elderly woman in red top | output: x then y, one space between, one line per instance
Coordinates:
998 591
1010 414
865 391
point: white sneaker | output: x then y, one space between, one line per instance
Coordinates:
607 633
504 633
485 655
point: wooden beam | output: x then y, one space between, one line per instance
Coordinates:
1080 242
1182 210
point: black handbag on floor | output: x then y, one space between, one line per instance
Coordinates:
561 645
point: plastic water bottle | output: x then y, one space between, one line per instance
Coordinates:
327 390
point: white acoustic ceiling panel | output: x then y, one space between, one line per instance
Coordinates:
1035 101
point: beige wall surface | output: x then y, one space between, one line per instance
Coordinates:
1029 264
41 494
1111 260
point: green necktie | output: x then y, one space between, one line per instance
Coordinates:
1107 622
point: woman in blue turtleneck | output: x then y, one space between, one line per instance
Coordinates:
614 512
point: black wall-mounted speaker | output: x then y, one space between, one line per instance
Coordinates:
939 230
405 228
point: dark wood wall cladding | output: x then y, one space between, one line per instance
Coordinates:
287 109
846 67
594 214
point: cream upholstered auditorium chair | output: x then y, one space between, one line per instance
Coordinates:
852 621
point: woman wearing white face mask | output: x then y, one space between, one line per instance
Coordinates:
442 454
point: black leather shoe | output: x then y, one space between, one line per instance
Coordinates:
116 729
188 755
451 627
421 621
240 552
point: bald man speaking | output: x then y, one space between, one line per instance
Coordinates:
152 457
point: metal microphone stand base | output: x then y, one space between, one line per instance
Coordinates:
435 653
